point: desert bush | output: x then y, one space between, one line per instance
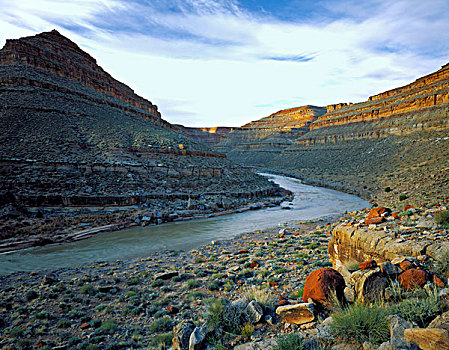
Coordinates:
162 325
247 330
88 289
441 265
263 296
361 323
418 310
291 341
402 197
162 341
442 218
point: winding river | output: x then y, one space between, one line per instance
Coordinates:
309 203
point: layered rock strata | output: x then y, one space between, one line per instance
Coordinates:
73 137
397 139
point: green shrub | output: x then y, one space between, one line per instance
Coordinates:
263 296
63 323
388 189
291 341
297 294
162 341
108 327
402 197
192 283
441 265
162 325
88 289
247 330
361 323
133 281
420 311
442 218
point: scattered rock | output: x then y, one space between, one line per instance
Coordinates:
369 264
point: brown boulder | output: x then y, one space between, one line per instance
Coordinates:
377 212
412 278
406 265
369 264
321 283
375 221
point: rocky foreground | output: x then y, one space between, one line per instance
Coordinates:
247 293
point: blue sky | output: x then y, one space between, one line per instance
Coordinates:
227 62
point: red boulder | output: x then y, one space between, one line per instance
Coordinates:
320 285
377 212
377 220
369 264
412 278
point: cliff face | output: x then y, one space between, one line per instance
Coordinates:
210 136
395 135
74 137
53 53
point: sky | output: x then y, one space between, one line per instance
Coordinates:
228 62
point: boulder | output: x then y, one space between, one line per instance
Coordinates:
379 211
374 221
296 314
165 275
320 285
369 284
441 321
428 338
369 264
266 344
413 278
397 326
254 312
182 332
407 265
390 269
198 337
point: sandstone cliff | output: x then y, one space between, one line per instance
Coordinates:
397 139
75 141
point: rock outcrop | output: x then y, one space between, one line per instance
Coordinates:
76 143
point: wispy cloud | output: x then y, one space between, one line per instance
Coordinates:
228 59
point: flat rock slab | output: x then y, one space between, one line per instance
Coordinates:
428 338
296 314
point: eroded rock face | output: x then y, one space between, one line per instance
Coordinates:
321 283
73 136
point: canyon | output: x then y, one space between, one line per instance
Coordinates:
397 140
82 150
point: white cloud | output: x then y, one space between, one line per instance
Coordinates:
211 55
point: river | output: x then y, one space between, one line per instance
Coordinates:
309 203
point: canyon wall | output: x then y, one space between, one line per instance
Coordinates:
358 147
73 136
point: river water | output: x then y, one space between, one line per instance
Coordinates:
309 203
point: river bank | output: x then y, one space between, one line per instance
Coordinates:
140 240
78 224
135 303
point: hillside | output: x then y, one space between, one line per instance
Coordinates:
81 148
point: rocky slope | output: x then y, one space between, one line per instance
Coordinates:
397 140
79 147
